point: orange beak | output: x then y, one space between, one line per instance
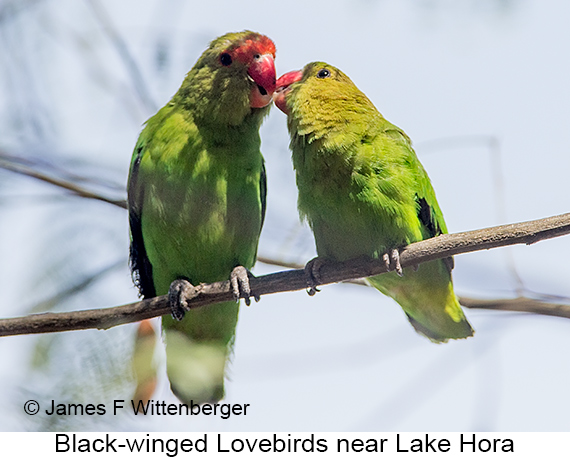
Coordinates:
262 72
283 86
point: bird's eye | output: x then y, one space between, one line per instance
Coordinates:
324 73
226 59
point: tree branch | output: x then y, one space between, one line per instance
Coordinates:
330 272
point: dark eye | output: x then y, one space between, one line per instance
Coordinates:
226 59
324 73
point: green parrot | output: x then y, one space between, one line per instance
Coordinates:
365 193
196 198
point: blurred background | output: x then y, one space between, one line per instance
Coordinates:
481 87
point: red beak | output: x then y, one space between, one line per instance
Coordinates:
262 71
283 86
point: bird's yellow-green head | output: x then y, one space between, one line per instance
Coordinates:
319 100
234 77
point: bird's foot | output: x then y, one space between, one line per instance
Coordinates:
312 272
392 261
179 294
239 279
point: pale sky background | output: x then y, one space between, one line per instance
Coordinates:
480 86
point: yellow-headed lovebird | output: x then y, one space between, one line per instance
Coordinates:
365 193
196 197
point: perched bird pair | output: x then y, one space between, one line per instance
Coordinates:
197 191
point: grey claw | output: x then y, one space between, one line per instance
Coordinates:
312 290
179 294
239 280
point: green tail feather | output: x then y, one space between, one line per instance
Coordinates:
197 350
195 369
427 298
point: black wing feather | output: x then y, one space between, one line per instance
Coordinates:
427 218
263 193
141 268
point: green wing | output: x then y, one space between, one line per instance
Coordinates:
426 294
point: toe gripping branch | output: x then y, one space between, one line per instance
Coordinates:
239 279
392 261
312 272
179 294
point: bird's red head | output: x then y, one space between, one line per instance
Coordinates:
283 85
257 53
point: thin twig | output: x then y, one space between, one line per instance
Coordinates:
329 272
58 182
124 53
74 289
521 304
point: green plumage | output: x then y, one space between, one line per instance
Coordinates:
364 192
196 207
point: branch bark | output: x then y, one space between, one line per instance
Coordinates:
330 272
